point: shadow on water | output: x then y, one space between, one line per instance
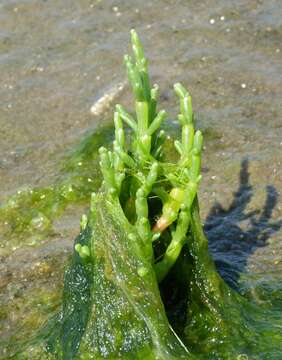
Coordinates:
234 233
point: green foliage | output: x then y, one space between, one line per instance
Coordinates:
141 161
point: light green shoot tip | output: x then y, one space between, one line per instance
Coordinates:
180 90
83 251
83 222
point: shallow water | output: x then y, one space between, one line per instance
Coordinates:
58 58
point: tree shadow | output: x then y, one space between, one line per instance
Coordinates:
234 233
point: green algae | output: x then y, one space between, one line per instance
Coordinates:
126 313
27 217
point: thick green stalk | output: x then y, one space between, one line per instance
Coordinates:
174 248
180 181
142 211
185 185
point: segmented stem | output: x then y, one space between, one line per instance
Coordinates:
175 185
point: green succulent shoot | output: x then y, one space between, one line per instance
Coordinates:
139 164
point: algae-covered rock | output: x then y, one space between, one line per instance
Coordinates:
112 307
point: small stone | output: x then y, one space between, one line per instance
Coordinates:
212 21
243 86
